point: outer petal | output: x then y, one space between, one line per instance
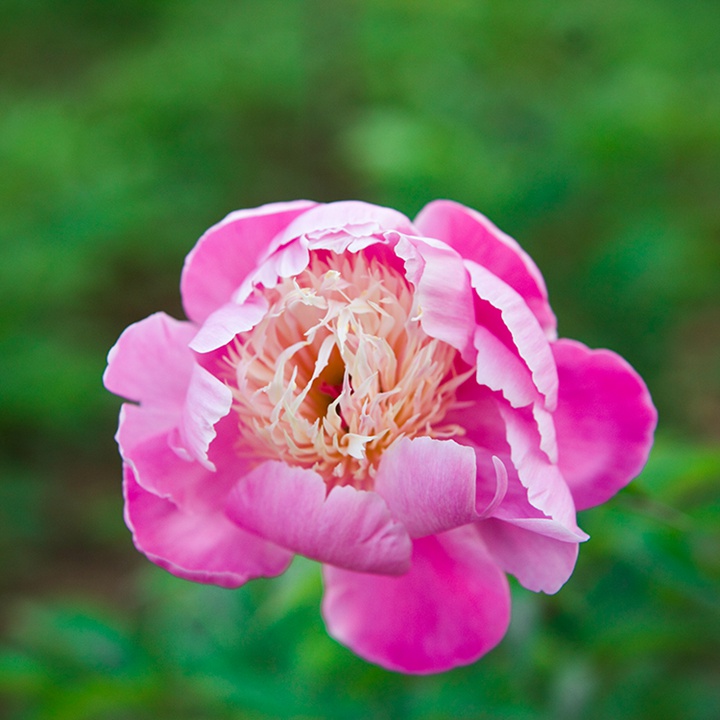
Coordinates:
428 484
138 424
605 422
205 548
159 468
477 239
451 607
228 251
151 362
348 527
539 562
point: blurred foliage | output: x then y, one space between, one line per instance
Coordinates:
589 131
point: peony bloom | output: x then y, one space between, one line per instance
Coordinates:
388 398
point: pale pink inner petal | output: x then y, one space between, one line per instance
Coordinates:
443 296
208 401
343 226
501 369
546 487
538 499
222 326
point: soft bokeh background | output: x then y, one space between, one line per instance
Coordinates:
589 131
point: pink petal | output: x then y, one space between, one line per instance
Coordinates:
482 415
546 488
226 322
539 562
502 496
489 492
451 607
347 527
159 469
478 414
206 548
428 484
138 424
228 251
347 225
477 239
287 261
208 400
442 292
514 504
502 370
605 421
503 311
545 423
151 363
547 527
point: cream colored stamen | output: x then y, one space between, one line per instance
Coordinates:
339 370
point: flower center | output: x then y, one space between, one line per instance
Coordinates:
338 370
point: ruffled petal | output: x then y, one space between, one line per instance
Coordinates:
506 498
605 421
287 261
229 251
138 424
450 608
347 527
349 225
226 322
428 484
540 563
483 416
206 548
477 239
546 488
208 400
502 370
159 468
503 310
151 363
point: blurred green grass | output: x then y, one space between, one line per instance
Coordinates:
590 132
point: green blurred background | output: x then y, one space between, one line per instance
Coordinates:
589 131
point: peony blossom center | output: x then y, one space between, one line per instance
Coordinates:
338 370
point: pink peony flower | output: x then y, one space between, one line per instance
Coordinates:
388 398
